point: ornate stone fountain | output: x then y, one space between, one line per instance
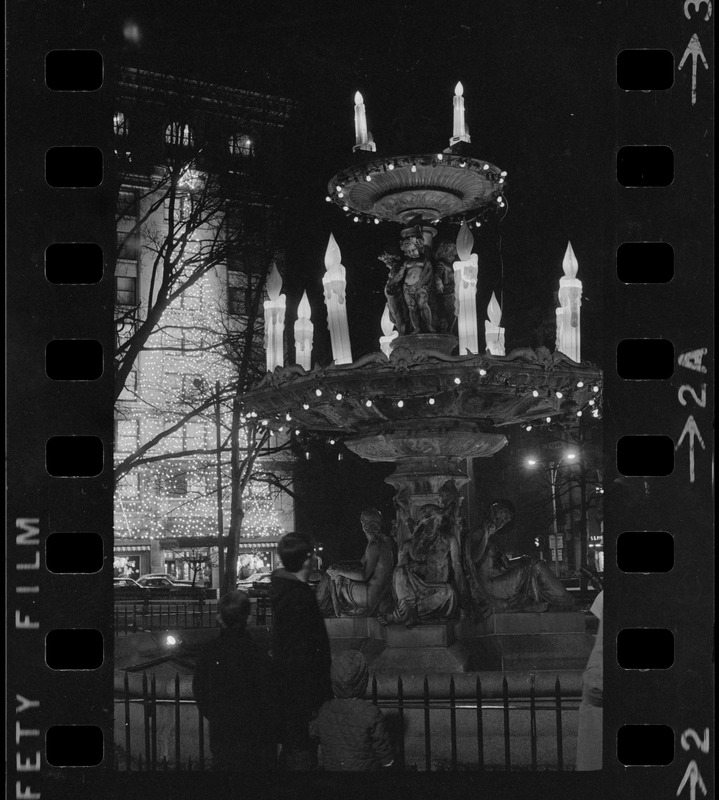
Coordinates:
428 400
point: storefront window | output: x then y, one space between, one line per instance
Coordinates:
126 567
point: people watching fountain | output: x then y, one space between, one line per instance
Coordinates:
358 590
233 688
498 584
428 580
300 650
351 730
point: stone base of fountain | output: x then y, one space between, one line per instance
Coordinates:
528 641
425 649
502 642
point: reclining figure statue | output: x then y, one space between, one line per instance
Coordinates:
498 584
358 589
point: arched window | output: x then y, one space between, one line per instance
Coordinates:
119 124
242 144
178 133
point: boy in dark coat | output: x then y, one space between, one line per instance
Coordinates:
234 690
300 650
351 730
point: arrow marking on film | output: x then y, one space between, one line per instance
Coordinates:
693 776
694 49
691 429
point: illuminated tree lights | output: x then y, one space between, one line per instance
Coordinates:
184 359
261 518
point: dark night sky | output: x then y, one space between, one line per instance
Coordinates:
539 86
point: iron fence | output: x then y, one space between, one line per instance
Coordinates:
148 615
171 734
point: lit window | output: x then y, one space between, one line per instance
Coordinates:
191 385
172 383
128 487
127 435
173 485
128 245
129 391
182 208
241 144
125 290
191 298
194 433
179 134
119 124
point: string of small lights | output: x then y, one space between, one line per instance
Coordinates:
177 497
573 399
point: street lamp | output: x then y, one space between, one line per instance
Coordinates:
553 467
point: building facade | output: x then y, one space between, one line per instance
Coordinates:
199 221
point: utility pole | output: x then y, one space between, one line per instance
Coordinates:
553 471
218 466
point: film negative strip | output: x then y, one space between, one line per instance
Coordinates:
73 726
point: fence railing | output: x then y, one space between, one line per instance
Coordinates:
155 734
148 615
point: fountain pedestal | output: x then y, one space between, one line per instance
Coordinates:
528 641
425 649
426 460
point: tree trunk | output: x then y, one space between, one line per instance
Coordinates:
237 510
230 577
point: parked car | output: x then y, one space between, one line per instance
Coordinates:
246 583
164 586
170 578
125 583
261 587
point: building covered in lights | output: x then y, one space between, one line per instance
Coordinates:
172 491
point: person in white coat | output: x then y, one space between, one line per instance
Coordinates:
589 730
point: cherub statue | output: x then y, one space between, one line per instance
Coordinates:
394 290
444 258
418 283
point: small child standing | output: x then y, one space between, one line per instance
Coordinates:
351 730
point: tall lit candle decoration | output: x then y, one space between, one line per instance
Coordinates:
493 334
274 320
465 291
460 131
303 334
388 329
570 301
363 138
335 283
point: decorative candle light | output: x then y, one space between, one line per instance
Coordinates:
334 282
570 300
303 334
460 132
493 334
363 138
388 329
274 320
465 290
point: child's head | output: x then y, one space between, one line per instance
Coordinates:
233 609
294 549
349 674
